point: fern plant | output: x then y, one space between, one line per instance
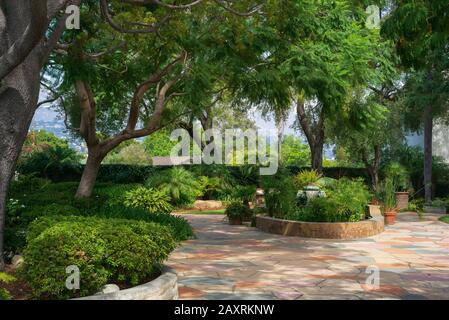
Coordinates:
306 177
180 184
150 199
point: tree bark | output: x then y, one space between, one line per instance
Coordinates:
428 136
16 111
373 167
317 156
314 134
90 174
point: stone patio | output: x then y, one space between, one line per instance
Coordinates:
239 262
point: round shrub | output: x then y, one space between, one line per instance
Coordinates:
237 210
105 250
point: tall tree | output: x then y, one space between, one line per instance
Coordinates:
420 30
29 31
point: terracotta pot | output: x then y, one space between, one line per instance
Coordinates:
234 221
402 199
390 217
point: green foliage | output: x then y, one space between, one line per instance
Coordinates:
237 210
133 154
400 176
150 199
5 278
444 219
346 201
294 152
279 193
159 144
244 194
389 194
27 183
55 159
105 250
305 178
209 186
180 184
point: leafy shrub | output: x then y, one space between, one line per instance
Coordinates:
152 200
346 201
133 154
53 160
105 251
237 210
209 187
114 194
180 184
27 183
400 176
441 202
352 195
244 194
389 194
5 278
305 178
280 194
246 175
180 227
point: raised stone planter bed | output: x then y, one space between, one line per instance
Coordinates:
164 287
437 210
323 230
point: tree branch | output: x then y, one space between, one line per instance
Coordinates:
30 38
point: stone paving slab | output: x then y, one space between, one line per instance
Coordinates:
240 262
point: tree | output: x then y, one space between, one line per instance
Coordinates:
153 80
312 61
419 29
29 31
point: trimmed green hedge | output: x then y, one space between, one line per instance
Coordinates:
105 251
122 173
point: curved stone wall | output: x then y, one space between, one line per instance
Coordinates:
323 230
164 287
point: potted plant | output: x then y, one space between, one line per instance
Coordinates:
401 179
235 213
389 205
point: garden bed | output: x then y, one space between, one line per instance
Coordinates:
323 230
164 287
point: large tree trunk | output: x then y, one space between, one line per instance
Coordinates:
16 112
314 133
373 167
317 156
428 136
90 174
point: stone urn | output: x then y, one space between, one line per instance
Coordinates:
402 199
308 193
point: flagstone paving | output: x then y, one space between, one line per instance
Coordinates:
240 262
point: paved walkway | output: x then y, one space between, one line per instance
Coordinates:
239 262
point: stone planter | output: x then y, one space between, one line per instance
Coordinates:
374 210
390 217
437 210
322 230
164 287
402 199
235 221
